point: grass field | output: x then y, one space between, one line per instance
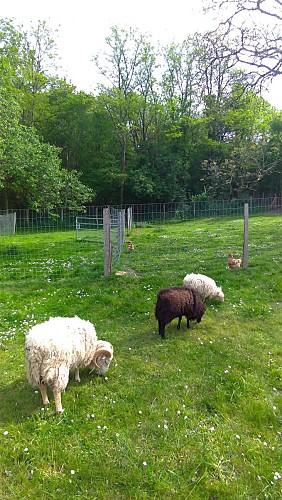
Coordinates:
197 415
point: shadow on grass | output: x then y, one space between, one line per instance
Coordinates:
19 400
152 337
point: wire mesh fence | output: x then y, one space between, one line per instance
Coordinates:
167 212
64 244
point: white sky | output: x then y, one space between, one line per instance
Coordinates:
83 26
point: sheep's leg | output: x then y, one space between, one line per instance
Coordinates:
43 390
77 377
179 321
58 402
162 329
188 323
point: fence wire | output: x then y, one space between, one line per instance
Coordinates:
64 244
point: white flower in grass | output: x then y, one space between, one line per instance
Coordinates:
25 450
237 436
72 472
140 412
165 426
212 429
274 407
5 433
178 412
277 476
145 463
226 371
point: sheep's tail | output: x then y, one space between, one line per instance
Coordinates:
42 373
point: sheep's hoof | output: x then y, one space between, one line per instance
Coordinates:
60 411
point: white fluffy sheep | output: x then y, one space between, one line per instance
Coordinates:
205 285
59 345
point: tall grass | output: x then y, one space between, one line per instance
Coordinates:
197 415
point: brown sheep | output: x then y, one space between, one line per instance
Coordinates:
175 302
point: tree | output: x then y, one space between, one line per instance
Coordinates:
39 54
250 31
128 69
31 175
244 155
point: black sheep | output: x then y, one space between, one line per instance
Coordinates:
175 302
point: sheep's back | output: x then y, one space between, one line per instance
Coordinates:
174 302
57 343
205 285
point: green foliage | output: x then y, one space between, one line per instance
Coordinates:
195 416
166 124
30 169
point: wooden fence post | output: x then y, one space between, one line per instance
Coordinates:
246 236
107 242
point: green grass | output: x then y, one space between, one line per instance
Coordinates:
197 415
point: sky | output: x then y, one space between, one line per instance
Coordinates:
83 26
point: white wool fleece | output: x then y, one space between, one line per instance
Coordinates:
205 285
57 346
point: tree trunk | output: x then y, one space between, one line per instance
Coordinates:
123 170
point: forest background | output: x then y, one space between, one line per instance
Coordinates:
173 123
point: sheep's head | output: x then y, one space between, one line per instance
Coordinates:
219 294
103 356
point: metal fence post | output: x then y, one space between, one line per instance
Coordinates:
246 236
107 242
